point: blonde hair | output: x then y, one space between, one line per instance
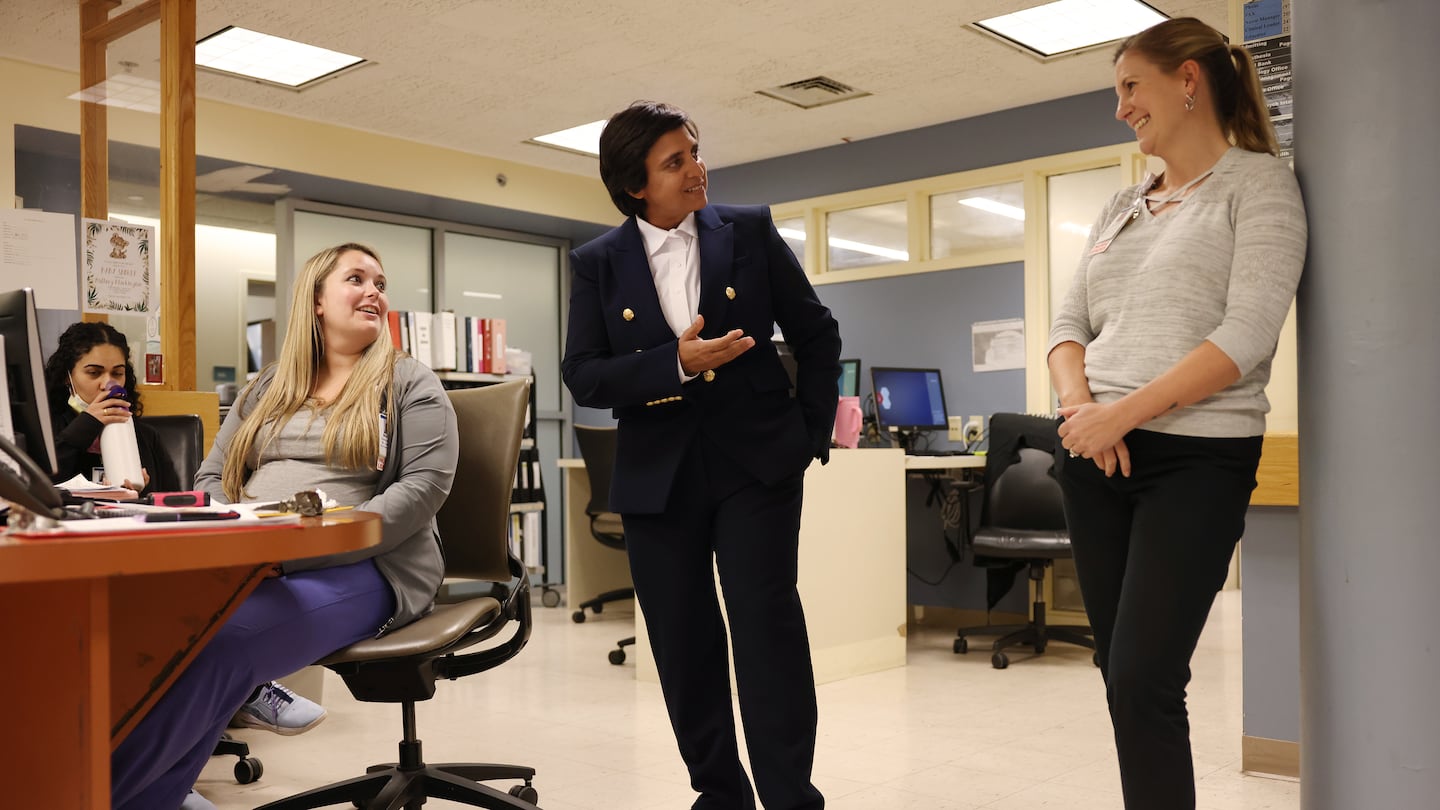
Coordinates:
1229 71
352 431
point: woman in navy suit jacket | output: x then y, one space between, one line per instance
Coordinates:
712 447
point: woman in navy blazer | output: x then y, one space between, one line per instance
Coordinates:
665 311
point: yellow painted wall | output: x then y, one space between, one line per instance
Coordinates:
37 96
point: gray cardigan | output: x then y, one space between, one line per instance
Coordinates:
424 448
1222 268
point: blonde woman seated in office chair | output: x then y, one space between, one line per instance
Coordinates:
343 411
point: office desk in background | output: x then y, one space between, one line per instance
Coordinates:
94 629
852 558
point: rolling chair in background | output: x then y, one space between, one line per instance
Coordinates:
597 448
402 667
183 437
1023 518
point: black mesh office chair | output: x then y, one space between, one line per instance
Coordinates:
597 448
1023 519
403 666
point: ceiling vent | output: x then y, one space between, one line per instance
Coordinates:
813 92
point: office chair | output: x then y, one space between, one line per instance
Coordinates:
597 448
1023 518
183 437
402 666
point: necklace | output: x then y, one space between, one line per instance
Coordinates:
1160 202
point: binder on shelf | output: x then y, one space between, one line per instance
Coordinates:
392 319
443 341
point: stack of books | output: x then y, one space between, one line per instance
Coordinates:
445 341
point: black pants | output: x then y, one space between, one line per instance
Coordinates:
1151 552
751 532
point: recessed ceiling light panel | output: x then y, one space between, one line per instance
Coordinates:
273 60
1067 26
584 139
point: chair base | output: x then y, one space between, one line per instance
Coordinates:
392 787
597 604
617 655
1035 634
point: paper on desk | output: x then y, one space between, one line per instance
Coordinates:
137 524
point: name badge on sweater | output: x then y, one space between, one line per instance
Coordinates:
1113 230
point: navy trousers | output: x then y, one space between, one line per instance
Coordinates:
719 518
286 623
1151 552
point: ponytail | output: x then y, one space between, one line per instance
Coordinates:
1249 120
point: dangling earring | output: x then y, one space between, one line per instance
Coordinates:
1189 102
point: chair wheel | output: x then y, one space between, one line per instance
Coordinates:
599 608
961 646
999 660
578 617
617 657
1039 649
526 793
550 598
248 770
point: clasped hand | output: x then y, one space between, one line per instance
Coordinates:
1096 431
698 354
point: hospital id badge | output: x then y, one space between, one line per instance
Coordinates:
1103 243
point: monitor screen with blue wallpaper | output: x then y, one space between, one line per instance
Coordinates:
909 398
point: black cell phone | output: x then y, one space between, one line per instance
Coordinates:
174 517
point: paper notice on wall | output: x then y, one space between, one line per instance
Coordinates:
117 267
7 427
37 250
998 345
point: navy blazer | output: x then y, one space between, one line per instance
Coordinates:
621 354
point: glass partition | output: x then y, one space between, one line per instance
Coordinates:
861 237
977 219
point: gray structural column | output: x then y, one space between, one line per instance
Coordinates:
1367 109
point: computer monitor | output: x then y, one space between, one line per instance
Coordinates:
25 378
908 399
849 378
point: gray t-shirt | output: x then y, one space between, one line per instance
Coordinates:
1221 266
295 460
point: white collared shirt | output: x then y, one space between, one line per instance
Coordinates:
674 258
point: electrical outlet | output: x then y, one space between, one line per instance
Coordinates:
974 429
957 429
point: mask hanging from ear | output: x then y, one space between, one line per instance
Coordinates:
75 402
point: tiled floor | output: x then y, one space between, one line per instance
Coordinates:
946 732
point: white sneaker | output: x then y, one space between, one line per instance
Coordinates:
195 801
279 710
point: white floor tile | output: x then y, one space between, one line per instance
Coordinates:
946 732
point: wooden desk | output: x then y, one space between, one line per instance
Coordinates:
95 628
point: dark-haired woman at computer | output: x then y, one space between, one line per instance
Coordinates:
90 358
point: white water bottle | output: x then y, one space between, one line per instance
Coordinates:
119 451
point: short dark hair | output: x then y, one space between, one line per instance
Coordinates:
625 143
74 343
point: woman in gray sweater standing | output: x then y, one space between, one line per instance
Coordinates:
344 412
1160 354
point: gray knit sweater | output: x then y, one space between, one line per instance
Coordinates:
1222 267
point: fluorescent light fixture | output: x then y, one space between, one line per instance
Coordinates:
473 294
1067 26
283 62
124 91
846 244
992 206
584 139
